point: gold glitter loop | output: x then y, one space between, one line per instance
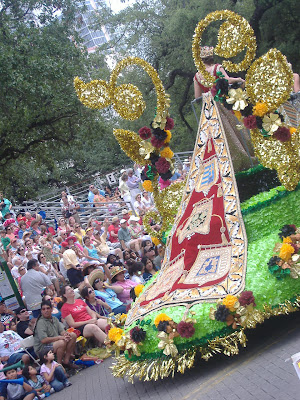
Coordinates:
270 80
234 35
134 98
130 143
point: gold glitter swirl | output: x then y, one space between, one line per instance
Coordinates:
234 35
128 102
283 157
269 80
94 94
130 143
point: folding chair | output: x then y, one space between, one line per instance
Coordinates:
28 343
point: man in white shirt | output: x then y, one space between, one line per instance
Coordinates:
10 347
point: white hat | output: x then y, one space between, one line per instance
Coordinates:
133 218
122 171
122 221
125 211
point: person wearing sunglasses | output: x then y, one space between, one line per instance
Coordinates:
24 326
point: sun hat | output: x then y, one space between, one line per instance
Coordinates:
96 274
122 221
65 244
125 211
116 270
74 238
115 219
8 222
133 218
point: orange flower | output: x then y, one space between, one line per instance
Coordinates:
115 334
161 317
292 130
229 302
260 109
167 153
286 251
147 185
168 138
155 241
238 115
287 240
138 289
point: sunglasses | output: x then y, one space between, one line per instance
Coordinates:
77 226
22 269
97 280
90 291
42 256
22 311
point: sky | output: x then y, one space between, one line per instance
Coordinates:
117 5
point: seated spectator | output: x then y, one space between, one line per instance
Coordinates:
104 247
98 199
5 241
16 391
113 230
10 347
149 252
125 238
22 271
147 201
6 315
50 334
150 268
32 285
37 382
136 271
79 232
21 255
107 292
50 271
52 372
9 233
118 279
16 262
138 204
31 247
78 315
159 258
28 218
22 229
124 189
35 227
72 265
55 311
63 226
5 205
14 245
25 326
96 304
135 228
125 214
12 326
90 251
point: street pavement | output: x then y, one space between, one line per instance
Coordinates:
259 372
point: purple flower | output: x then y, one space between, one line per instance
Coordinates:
170 124
145 133
247 298
185 329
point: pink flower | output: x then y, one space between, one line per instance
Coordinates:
162 165
170 124
250 122
185 329
145 133
247 298
282 134
156 142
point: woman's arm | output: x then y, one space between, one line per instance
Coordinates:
229 78
91 312
116 289
197 89
70 321
86 255
42 269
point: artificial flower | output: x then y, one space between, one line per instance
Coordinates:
166 176
287 230
222 86
286 251
156 142
287 240
147 185
145 132
168 138
260 109
155 241
160 134
161 317
238 115
246 298
259 122
138 289
167 153
250 122
137 334
282 134
170 124
159 122
163 326
247 111
162 165
230 302
237 97
293 130
271 122
221 313
185 329
167 344
146 149
115 334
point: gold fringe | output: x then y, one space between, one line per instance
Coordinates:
148 370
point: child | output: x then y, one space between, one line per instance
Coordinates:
52 372
16 391
37 382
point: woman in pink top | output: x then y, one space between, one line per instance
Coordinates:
118 279
78 315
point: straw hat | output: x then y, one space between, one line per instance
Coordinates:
116 270
96 274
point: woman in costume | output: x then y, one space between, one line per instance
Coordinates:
239 142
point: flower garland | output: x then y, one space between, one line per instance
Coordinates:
237 311
254 116
286 260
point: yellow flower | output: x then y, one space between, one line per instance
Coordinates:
260 109
138 290
161 317
167 153
147 185
287 240
286 251
123 317
168 138
237 97
230 302
292 130
238 115
155 241
115 334
271 122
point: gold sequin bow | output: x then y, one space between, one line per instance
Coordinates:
129 345
167 344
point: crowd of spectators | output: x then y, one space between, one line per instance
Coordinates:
71 278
